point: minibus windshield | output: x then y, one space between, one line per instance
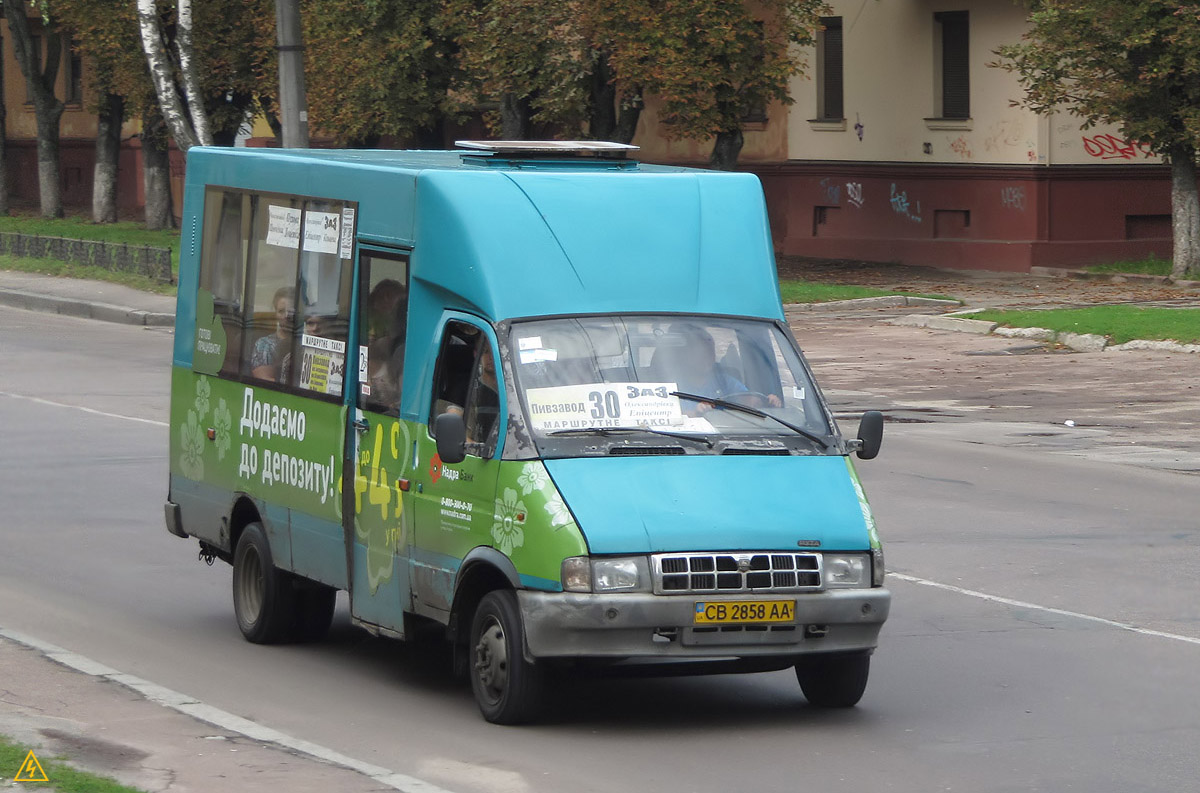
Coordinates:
698 384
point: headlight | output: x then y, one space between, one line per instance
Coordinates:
846 570
614 575
584 574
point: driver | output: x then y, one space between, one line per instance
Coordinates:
696 371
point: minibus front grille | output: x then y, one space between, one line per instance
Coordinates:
761 571
636 451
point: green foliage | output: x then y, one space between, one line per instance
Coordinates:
383 67
1133 64
1120 323
1148 266
796 291
63 778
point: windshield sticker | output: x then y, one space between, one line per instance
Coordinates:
283 227
536 356
346 245
599 405
797 393
530 343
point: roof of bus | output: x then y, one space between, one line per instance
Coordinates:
510 238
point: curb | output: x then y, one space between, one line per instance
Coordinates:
886 301
1115 278
1079 342
84 309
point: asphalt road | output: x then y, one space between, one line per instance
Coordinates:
1045 633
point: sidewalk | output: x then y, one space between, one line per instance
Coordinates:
88 299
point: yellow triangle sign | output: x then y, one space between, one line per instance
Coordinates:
31 770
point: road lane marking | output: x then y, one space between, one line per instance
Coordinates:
41 401
1047 609
190 706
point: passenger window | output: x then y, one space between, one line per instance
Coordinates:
223 265
270 317
322 305
383 316
467 383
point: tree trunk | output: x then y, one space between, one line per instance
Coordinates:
108 151
1185 214
627 118
3 147
602 100
726 149
47 107
162 75
514 117
156 168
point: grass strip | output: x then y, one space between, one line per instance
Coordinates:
1148 266
63 778
65 270
79 228
1119 323
796 291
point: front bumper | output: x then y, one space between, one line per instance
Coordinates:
647 626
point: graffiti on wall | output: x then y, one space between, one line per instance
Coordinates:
859 129
1110 147
960 147
1013 197
854 194
902 206
830 192
1003 134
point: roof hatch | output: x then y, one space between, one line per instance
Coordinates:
546 153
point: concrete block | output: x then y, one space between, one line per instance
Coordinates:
1159 346
963 325
1036 334
1083 342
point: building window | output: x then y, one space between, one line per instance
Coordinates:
953 70
74 76
829 70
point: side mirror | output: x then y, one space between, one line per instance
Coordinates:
870 434
451 432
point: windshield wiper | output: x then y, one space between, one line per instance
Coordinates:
725 403
628 430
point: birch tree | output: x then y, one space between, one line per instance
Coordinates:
189 125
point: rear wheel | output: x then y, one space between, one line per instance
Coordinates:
834 681
263 596
507 688
312 611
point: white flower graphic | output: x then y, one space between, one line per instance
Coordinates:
559 514
223 424
191 448
203 392
533 477
508 530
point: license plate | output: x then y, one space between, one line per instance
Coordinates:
742 612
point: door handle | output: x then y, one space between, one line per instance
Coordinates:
361 425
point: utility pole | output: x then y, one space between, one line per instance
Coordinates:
293 106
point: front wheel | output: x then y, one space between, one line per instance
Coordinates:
507 688
834 681
263 596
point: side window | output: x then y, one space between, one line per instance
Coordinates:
322 304
383 324
270 309
467 383
223 265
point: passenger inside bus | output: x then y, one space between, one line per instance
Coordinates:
271 352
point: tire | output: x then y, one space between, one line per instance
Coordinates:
263 596
507 688
312 610
834 681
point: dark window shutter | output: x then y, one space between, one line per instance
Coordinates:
956 67
831 68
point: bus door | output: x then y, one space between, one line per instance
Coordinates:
456 504
376 525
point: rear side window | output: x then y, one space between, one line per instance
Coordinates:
280 271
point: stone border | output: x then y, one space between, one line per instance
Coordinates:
1115 278
1079 342
84 309
886 301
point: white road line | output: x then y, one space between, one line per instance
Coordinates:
41 401
190 706
1061 612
